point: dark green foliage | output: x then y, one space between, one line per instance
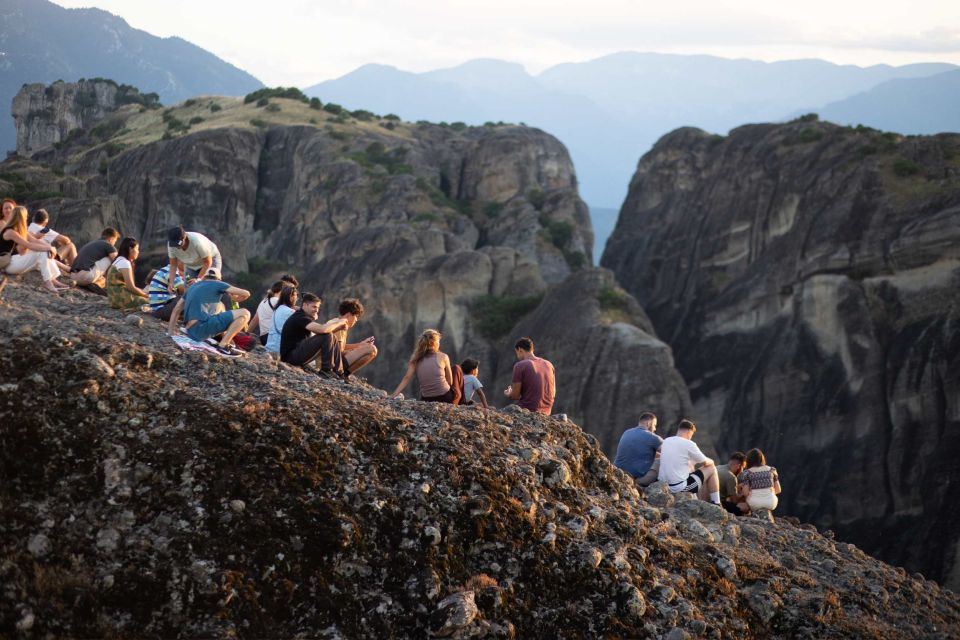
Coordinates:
458 126
428 216
86 99
391 116
103 168
167 136
174 124
377 154
495 316
808 117
557 232
342 118
342 136
493 209
613 299
106 129
804 136
363 115
196 120
260 124
575 259
905 168
537 198
215 107
273 108
262 102
316 104
189 103
291 93
113 148
334 108
388 125
24 191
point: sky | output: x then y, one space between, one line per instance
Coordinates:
303 42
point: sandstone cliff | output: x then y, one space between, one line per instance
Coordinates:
806 277
462 229
150 494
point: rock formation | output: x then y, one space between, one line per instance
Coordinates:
462 229
806 276
154 494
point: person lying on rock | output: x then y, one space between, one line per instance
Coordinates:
198 306
358 354
435 375
534 383
759 483
679 456
730 496
122 292
93 260
285 307
162 299
192 254
20 252
40 227
303 340
638 452
472 387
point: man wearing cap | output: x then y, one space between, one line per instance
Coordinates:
191 254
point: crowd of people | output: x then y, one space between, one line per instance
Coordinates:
745 485
188 293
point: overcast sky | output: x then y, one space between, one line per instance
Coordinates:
302 42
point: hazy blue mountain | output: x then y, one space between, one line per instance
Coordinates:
611 110
43 42
916 105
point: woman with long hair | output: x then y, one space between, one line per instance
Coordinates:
122 291
264 315
285 307
759 483
433 370
21 252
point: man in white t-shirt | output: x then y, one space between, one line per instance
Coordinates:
192 254
678 457
40 227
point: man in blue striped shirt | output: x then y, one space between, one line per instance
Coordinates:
162 301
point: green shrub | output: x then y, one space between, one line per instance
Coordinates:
458 126
342 136
316 104
905 168
291 93
262 102
537 198
113 148
493 209
804 136
196 120
363 115
86 99
557 232
215 107
576 260
273 108
334 108
427 216
259 124
189 103
342 118
167 136
613 299
106 130
496 316
388 125
808 117
391 116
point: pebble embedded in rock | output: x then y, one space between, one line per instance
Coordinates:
453 613
39 545
238 506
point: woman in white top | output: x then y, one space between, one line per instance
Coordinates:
263 318
122 291
286 305
759 483
20 252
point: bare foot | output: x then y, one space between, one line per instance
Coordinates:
52 289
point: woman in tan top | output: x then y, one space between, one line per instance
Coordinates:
433 371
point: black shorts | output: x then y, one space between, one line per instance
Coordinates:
694 482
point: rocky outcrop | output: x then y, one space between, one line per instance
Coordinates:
462 229
146 492
45 115
806 276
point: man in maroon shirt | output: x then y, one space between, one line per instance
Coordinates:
533 384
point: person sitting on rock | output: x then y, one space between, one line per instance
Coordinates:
730 496
432 368
533 386
93 260
303 340
200 299
285 307
678 457
759 483
162 299
260 324
6 210
472 387
358 354
21 252
122 291
639 450
40 227
192 254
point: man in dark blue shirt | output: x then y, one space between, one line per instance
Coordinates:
199 307
637 451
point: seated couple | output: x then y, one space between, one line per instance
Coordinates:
303 340
203 313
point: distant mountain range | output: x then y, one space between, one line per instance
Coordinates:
43 42
610 111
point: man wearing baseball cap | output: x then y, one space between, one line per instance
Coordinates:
191 254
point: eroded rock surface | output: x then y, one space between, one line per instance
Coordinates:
806 276
363 517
